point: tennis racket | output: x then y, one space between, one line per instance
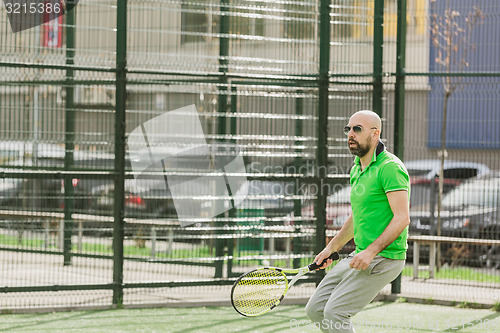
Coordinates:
262 289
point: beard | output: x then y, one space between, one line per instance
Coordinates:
359 149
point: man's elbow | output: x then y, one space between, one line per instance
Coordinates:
405 220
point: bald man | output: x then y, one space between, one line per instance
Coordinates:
380 190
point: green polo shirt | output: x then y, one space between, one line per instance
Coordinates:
370 207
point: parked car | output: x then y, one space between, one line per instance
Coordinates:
338 207
424 179
473 210
9 190
140 201
40 194
424 188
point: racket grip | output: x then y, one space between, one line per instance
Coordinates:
333 256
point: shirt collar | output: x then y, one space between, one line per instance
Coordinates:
380 148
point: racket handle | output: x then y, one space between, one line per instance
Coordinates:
333 256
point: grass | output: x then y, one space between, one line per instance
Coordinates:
25 242
135 251
470 305
458 273
496 307
101 248
376 317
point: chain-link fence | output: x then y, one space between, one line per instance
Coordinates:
86 221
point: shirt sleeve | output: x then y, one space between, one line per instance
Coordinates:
394 177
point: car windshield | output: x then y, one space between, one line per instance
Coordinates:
418 172
483 193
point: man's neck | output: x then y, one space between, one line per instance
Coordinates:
366 160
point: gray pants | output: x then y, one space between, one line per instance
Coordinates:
344 291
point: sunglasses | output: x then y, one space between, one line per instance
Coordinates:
356 129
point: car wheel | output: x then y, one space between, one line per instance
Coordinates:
491 259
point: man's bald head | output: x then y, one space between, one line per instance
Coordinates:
367 119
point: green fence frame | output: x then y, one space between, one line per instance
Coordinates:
322 80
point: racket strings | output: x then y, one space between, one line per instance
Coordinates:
258 291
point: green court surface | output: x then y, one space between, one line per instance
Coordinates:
377 317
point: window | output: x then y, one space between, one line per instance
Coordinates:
250 26
195 21
201 18
460 173
300 19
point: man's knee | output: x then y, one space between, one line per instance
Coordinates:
314 311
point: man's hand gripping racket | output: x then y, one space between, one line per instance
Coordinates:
262 289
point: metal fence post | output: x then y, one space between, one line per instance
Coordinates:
399 100
69 140
232 212
119 195
322 152
297 206
221 124
378 51
399 93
